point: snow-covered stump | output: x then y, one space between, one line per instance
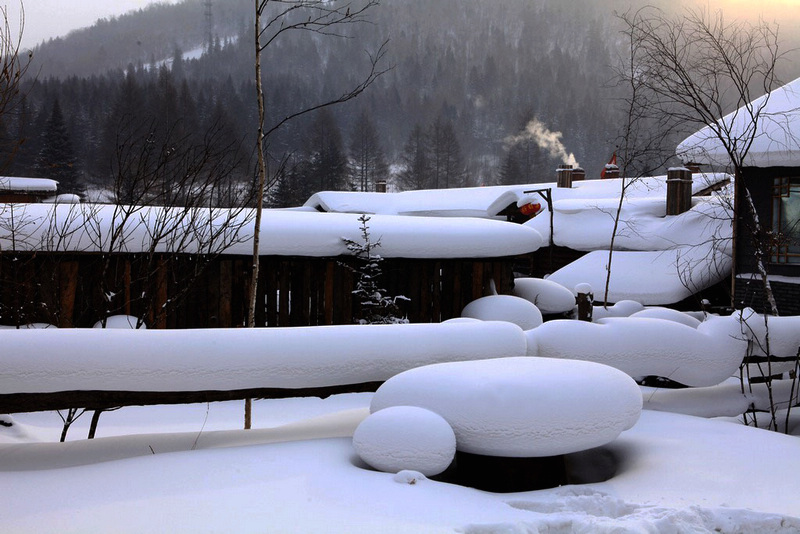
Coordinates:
103 368
516 419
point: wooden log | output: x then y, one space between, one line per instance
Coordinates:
102 400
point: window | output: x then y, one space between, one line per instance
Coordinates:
786 220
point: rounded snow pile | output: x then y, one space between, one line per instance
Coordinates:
548 296
639 346
504 308
405 438
521 406
668 314
127 322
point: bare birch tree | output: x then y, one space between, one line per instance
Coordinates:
273 19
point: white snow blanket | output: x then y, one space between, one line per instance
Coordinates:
15 183
520 407
784 334
776 134
583 217
110 228
651 278
51 360
702 356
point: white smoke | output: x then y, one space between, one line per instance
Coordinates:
546 140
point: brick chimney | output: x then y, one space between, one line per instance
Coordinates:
564 176
679 190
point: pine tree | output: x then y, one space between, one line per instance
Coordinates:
56 159
328 163
375 307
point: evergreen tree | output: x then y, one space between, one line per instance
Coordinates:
368 164
416 173
447 167
56 159
328 164
374 305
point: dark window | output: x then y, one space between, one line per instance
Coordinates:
786 220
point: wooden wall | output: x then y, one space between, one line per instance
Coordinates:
76 290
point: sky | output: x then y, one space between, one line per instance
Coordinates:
54 18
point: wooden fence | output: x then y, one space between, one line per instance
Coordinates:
173 291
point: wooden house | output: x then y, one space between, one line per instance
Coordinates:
771 174
25 190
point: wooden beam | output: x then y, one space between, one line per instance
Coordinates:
103 400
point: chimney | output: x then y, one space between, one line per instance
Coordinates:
564 176
692 166
610 171
578 174
679 190
380 186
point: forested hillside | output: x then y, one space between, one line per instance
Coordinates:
479 92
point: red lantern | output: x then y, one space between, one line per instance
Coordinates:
530 209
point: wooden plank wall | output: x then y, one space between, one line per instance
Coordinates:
189 292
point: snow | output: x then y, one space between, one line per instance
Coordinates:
89 228
776 135
676 473
547 295
520 407
784 333
14 183
516 310
668 314
405 438
120 321
239 358
702 356
672 275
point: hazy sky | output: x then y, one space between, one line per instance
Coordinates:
53 18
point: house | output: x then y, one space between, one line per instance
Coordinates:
771 173
75 264
658 259
15 189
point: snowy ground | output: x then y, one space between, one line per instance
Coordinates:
190 469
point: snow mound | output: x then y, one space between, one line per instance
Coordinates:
120 321
520 407
406 438
519 311
668 314
548 296
784 333
239 358
623 308
704 356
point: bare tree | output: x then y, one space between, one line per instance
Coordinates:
14 63
274 18
706 73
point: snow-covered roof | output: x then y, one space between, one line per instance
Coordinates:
28 185
89 227
776 134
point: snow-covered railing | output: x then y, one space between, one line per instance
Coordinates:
95 368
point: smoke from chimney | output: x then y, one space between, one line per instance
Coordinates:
546 140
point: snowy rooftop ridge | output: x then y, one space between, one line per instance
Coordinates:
776 135
89 227
15 183
487 202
